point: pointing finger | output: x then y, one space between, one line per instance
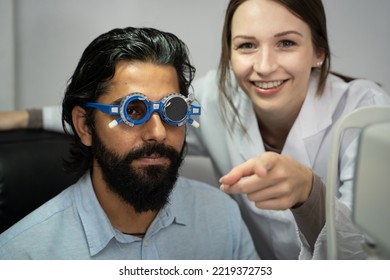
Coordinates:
255 166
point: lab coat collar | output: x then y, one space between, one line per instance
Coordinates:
314 115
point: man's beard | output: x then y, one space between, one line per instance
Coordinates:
146 188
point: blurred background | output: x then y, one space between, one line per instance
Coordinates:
42 40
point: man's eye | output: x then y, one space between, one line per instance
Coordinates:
136 111
132 112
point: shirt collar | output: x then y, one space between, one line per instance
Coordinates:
92 214
177 205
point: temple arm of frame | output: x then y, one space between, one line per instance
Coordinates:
105 108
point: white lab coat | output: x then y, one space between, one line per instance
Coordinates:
275 232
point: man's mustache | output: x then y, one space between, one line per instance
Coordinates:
146 150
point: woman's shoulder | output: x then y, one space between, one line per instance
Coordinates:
206 86
356 86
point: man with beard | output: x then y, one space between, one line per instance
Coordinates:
127 104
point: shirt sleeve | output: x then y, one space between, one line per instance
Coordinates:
310 216
35 119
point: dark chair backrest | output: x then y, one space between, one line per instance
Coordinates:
31 171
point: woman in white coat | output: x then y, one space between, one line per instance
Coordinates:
266 124
267 116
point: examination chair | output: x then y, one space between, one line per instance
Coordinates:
31 171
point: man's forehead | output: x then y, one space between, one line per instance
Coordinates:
150 79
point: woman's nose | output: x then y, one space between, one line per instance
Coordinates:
265 62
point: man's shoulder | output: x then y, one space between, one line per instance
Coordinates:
199 191
197 186
38 222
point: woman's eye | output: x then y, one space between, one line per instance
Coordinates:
246 46
287 44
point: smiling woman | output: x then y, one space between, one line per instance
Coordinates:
271 107
272 64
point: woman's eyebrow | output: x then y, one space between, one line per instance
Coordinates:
245 37
284 33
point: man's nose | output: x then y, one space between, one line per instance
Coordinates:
154 129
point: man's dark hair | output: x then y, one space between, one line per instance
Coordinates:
97 67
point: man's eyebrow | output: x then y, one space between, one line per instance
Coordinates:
117 101
284 33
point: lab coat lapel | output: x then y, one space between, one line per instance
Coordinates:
308 131
250 144
295 146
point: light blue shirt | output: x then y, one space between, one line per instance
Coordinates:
199 222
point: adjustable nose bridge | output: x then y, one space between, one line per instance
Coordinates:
265 61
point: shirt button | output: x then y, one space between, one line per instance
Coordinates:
146 243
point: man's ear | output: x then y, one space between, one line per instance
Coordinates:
79 117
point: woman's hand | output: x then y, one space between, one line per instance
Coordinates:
272 181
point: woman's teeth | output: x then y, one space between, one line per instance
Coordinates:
268 85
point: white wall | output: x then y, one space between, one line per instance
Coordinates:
359 32
7 90
50 36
